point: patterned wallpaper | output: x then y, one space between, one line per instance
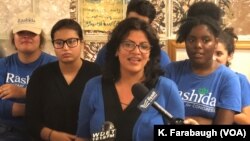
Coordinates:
8 10
169 12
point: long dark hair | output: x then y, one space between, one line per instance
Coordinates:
112 67
227 37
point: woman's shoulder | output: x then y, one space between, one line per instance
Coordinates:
49 57
90 64
92 67
178 64
243 78
165 82
96 80
9 58
225 71
48 68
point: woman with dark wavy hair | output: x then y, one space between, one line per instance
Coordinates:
132 57
224 55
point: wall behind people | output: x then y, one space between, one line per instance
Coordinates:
50 11
168 14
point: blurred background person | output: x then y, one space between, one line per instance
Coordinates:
224 55
143 10
54 91
210 91
15 70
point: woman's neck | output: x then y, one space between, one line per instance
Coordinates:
27 58
67 68
206 69
70 70
131 78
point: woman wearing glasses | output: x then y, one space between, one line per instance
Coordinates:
54 91
132 57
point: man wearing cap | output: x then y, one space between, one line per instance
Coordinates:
15 70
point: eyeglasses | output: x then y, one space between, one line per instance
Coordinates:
144 47
71 43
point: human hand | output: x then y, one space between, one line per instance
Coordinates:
190 121
8 91
200 120
61 136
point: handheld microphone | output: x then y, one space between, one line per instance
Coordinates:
148 98
108 132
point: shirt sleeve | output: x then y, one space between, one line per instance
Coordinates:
101 56
3 70
5 105
164 60
245 90
230 93
34 105
174 104
86 110
6 109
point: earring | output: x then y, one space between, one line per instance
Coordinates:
228 63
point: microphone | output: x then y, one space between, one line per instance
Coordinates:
148 98
108 132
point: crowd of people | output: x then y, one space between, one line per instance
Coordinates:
67 98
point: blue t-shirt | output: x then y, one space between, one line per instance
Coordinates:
101 55
245 90
92 117
202 94
13 71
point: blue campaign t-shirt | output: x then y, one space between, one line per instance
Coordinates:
245 90
92 114
13 71
202 94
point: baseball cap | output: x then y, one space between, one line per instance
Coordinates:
27 21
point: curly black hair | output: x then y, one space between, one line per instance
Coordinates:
189 23
205 8
227 37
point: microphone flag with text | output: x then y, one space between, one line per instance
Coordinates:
147 98
108 132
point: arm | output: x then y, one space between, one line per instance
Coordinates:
164 60
229 99
48 134
199 120
101 56
10 109
173 100
243 117
18 110
81 139
8 91
223 117
88 114
34 105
